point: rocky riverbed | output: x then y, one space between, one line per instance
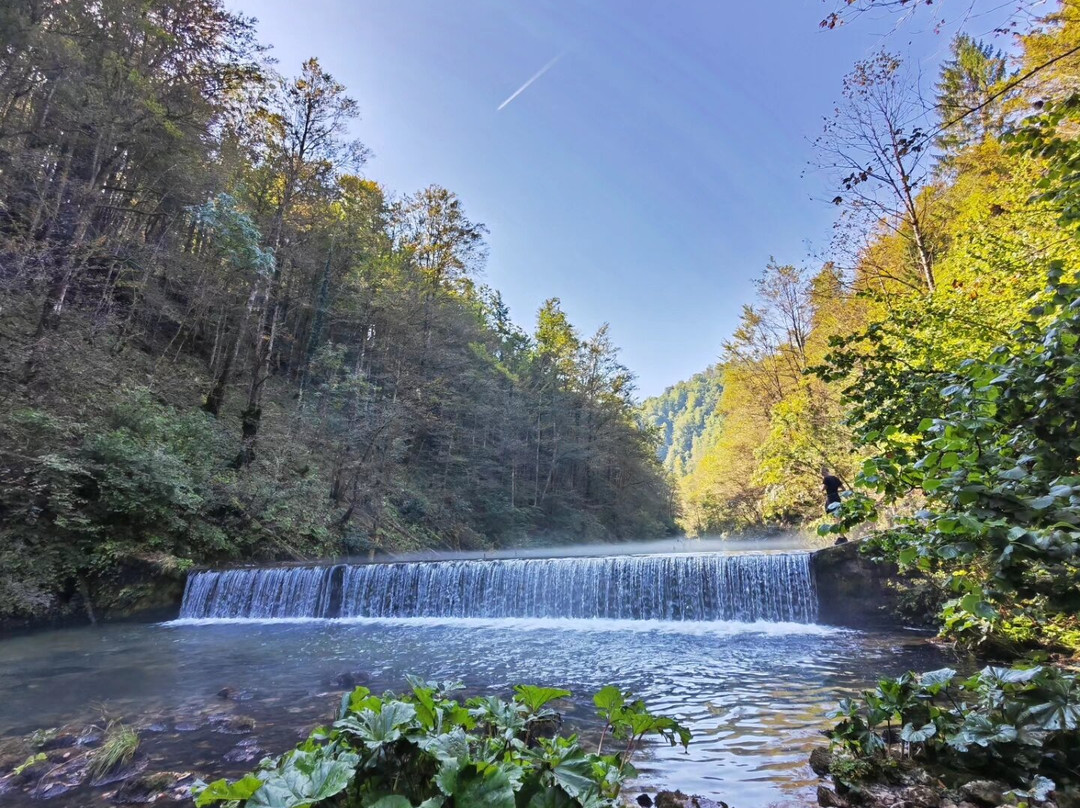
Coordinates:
225 736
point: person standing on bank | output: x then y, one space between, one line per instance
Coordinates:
832 486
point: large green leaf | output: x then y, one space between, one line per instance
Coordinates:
575 776
1061 710
609 699
377 729
220 790
449 746
303 778
534 697
446 778
909 734
362 699
483 789
506 717
1010 675
979 730
935 680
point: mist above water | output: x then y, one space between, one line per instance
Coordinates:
739 543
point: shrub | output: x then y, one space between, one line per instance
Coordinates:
427 749
1018 724
119 747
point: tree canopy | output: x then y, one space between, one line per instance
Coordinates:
220 340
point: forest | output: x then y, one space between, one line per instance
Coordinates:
931 362
240 380
220 339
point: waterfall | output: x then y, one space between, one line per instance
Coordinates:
773 587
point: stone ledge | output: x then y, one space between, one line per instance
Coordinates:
853 590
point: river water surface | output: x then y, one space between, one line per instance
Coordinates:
754 694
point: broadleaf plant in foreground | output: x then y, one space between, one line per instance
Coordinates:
1019 724
426 749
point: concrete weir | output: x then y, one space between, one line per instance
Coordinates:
852 589
769 587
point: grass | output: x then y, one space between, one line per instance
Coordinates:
117 749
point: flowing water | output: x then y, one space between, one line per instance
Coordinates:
697 587
727 643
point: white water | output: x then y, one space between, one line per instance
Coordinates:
693 628
741 590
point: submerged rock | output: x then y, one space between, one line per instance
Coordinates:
676 799
984 792
57 780
232 724
89 738
235 694
122 773
31 774
13 751
547 727
827 798
242 754
58 742
351 679
821 760
146 788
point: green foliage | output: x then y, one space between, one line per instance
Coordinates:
681 414
220 342
534 698
1018 724
971 80
234 234
993 459
940 262
428 750
630 720
117 749
140 485
32 760
1050 136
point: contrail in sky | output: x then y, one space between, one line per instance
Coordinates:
525 86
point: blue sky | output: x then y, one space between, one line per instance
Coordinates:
645 179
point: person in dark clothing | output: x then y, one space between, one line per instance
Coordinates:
832 487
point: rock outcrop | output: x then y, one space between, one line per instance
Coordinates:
852 589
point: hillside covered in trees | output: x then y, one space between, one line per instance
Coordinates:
944 235
220 340
932 363
680 414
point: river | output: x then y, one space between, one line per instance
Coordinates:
754 691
